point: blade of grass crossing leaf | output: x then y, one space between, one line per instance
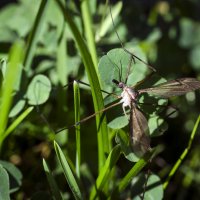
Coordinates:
12 73
183 155
52 183
105 172
73 184
87 20
77 128
17 121
132 173
102 132
34 35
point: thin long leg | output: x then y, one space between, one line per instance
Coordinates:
89 117
146 180
86 84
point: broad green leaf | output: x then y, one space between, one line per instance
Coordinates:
38 90
73 184
15 176
118 122
52 183
157 126
123 140
4 188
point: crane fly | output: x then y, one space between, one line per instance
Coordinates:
130 96
139 130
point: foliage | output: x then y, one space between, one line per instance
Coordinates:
47 44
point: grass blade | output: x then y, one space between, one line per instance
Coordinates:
77 128
34 35
73 184
105 171
87 20
52 183
103 142
183 155
12 73
132 173
17 121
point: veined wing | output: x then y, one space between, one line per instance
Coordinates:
173 88
139 131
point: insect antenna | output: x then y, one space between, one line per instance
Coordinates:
129 69
123 47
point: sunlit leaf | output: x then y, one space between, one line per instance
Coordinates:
38 90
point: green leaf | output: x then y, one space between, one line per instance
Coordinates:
17 108
15 176
123 140
157 126
38 90
73 184
117 60
104 174
4 189
52 183
118 122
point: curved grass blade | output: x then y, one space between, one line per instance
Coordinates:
103 142
183 155
173 88
73 184
132 173
17 121
52 183
105 172
11 76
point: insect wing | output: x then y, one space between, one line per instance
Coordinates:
173 88
139 131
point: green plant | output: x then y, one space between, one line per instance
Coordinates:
66 41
